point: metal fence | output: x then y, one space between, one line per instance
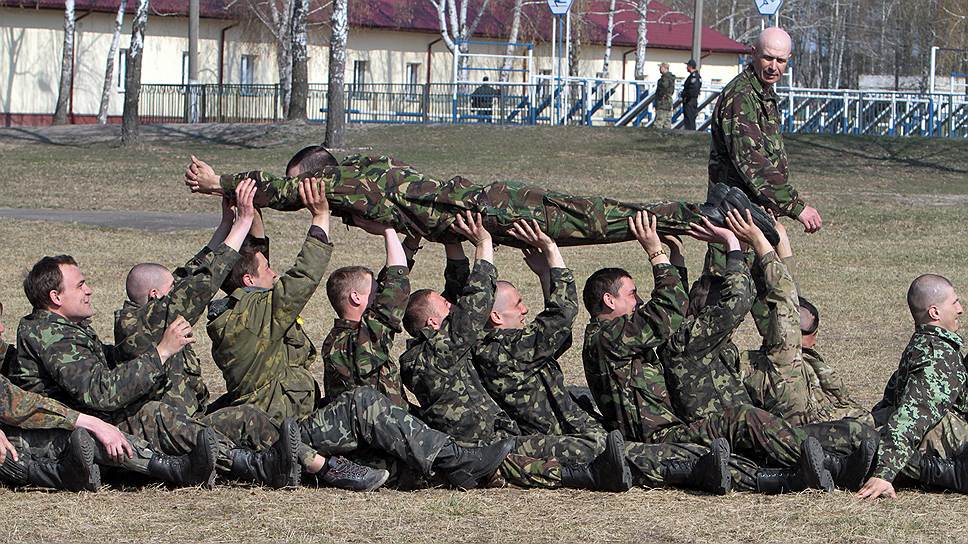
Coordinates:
572 101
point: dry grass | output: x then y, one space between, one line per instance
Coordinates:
892 209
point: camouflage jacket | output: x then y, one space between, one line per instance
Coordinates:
665 90
438 367
65 361
137 328
387 191
520 370
829 391
699 358
7 354
26 410
357 353
620 364
258 341
747 145
928 382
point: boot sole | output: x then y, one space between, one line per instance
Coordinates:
737 199
815 474
615 449
289 432
721 453
83 447
207 436
379 483
866 450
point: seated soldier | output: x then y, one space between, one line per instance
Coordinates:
923 416
264 353
44 443
386 191
518 366
60 356
777 375
628 381
369 313
699 358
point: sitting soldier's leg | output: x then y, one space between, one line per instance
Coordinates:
687 466
54 458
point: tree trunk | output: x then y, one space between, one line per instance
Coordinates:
67 66
284 67
102 111
505 74
642 38
335 95
132 81
609 34
577 24
300 75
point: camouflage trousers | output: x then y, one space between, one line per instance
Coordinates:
170 429
663 117
52 444
946 439
536 460
363 420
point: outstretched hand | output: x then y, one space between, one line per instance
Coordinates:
471 226
530 233
643 227
711 234
201 178
244 196
313 197
876 487
369 226
810 219
115 443
747 231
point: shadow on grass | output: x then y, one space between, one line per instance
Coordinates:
894 151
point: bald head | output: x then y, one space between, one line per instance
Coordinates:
771 51
931 298
509 308
147 280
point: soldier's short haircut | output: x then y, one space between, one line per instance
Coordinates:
603 281
45 276
704 289
926 290
418 311
142 278
342 280
501 285
248 264
311 159
809 317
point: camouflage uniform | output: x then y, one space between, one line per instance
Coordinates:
66 361
664 92
747 151
357 353
629 385
924 409
779 380
389 192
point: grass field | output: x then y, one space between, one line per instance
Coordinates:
892 209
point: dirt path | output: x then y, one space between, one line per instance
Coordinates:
152 221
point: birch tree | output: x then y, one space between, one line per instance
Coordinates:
454 28
641 37
300 72
276 16
505 74
609 34
335 95
102 111
130 129
67 66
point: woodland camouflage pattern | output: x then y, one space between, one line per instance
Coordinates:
259 344
138 328
664 91
926 389
747 145
357 353
392 193
26 410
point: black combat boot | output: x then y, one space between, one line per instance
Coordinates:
736 199
708 473
850 471
811 474
342 473
945 473
608 472
468 468
277 466
74 471
713 207
195 468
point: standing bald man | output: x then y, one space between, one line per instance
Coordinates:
747 145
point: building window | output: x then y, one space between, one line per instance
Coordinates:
122 68
413 79
247 70
359 76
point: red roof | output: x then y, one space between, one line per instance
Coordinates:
667 29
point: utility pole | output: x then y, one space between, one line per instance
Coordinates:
697 34
192 60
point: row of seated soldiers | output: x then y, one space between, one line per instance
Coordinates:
671 400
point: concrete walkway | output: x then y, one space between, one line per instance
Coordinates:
152 221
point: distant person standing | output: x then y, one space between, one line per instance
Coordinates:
663 97
482 101
690 95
